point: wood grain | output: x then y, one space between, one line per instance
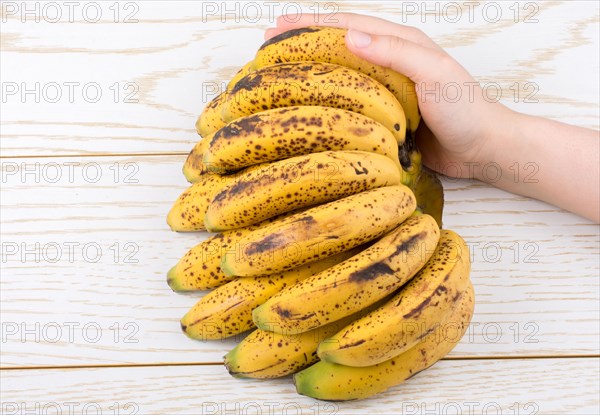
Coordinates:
532 386
87 181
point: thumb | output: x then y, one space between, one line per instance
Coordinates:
417 62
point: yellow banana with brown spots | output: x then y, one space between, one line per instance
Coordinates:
282 133
227 310
188 211
200 267
327 44
210 119
194 168
297 182
266 354
420 307
319 232
331 381
355 283
315 83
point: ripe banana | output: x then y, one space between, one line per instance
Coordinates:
320 232
315 83
194 168
331 381
227 310
327 44
297 182
354 284
200 267
243 71
265 354
210 119
188 211
417 310
281 133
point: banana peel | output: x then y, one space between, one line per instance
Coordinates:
424 182
429 192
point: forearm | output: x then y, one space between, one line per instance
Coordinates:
549 161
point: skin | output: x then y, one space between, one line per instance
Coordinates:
472 137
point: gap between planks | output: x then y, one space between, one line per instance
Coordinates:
136 365
180 153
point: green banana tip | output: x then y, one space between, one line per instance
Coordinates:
303 387
189 174
172 279
256 317
226 267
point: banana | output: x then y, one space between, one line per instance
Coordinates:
327 44
355 283
331 381
194 168
281 133
430 194
200 267
417 310
188 212
320 232
297 182
227 310
210 119
265 354
315 83
243 71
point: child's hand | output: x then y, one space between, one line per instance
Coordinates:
463 132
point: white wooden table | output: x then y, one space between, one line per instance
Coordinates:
99 101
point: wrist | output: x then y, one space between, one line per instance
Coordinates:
500 145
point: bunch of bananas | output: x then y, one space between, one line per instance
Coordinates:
327 239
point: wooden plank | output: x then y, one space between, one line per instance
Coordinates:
531 386
155 73
85 256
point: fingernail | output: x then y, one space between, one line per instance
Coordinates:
359 39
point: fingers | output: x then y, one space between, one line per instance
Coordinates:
419 63
368 24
